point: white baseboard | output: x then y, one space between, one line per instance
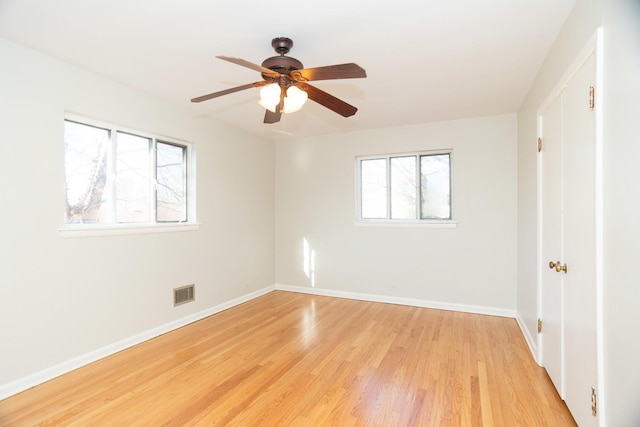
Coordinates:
492 311
32 380
531 341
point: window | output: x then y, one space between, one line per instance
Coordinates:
412 187
115 176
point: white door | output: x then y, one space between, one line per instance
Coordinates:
568 230
551 162
579 239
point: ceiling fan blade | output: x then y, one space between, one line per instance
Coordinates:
271 117
340 71
327 100
263 70
228 91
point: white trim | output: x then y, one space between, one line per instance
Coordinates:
432 152
575 66
37 378
531 342
403 223
599 202
439 305
108 124
539 355
90 230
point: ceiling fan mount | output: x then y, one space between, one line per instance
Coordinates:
287 72
282 45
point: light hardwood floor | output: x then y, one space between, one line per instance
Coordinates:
302 360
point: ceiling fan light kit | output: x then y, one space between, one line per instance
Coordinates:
293 101
284 85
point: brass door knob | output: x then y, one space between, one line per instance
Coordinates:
553 265
560 268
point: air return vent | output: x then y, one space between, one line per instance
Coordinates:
184 294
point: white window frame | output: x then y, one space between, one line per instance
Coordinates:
70 230
388 222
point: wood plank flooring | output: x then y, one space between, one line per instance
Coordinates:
302 360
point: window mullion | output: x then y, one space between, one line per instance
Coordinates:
360 191
418 178
153 182
388 187
360 195
185 171
112 179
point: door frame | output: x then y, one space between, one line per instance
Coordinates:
593 47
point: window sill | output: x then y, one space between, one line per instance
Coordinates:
405 224
84 230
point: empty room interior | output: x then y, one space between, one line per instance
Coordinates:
345 213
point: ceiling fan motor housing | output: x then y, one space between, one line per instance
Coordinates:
281 64
277 63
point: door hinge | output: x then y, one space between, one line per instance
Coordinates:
592 98
539 145
594 402
539 325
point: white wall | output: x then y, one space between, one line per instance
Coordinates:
62 298
621 207
620 19
473 264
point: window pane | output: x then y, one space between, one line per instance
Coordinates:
374 188
132 178
171 178
435 187
85 168
403 187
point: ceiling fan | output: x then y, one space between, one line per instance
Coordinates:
284 84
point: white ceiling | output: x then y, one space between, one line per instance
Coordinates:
425 60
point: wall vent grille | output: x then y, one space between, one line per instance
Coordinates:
184 294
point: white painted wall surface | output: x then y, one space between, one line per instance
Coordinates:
62 298
621 208
620 19
473 264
